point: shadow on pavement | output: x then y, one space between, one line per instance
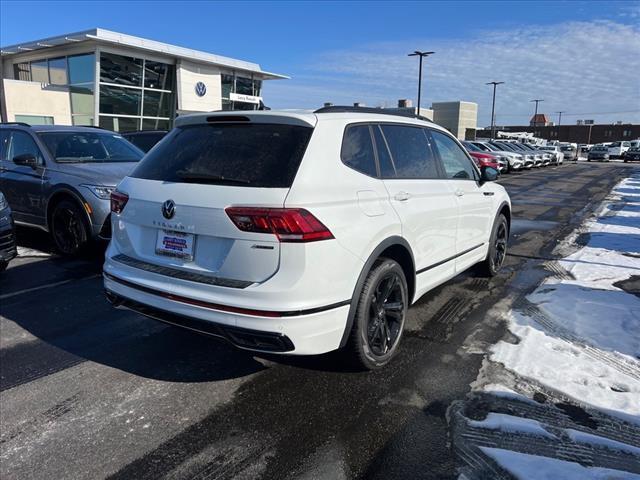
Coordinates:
85 327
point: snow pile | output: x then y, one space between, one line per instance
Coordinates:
578 338
580 334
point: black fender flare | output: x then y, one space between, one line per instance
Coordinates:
69 191
503 204
389 242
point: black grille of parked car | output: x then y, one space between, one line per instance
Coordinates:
7 240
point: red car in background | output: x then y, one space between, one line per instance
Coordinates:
485 160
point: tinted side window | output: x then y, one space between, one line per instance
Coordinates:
454 159
21 143
357 150
387 170
411 152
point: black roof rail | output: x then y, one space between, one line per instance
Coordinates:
22 124
379 111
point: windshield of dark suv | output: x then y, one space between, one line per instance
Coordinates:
89 147
252 155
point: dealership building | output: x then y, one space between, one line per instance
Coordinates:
120 82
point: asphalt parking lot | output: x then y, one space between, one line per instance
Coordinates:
92 392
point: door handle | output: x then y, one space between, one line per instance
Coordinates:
402 196
459 193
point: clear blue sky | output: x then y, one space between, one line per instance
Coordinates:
355 51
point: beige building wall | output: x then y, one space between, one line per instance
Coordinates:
456 117
34 98
188 75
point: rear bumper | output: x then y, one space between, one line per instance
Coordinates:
310 332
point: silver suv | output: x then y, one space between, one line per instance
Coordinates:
59 179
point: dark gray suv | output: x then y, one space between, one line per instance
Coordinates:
60 179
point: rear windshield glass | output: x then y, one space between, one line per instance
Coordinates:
253 155
89 147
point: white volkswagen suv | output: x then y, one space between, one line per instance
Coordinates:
301 232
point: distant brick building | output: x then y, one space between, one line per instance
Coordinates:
574 133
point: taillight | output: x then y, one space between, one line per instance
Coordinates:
288 224
118 201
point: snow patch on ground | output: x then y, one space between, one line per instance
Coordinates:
527 467
583 437
579 339
588 307
511 424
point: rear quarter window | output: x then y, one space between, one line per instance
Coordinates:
252 155
357 150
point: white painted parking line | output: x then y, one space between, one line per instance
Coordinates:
30 252
49 285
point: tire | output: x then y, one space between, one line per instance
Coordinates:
69 229
377 327
3 266
497 253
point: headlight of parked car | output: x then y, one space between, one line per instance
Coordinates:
100 191
3 202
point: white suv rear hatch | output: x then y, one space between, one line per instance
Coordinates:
175 214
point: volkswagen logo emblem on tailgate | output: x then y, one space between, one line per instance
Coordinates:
168 209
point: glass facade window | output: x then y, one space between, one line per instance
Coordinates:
35 119
82 73
120 124
227 85
82 68
157 104
21 71
121 70
119 100
40 71
58 71
231 83
137 88
244 86
81 99
158 75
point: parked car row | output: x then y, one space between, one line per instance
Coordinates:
628 151
513 156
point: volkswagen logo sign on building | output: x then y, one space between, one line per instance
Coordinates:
168 209
201 89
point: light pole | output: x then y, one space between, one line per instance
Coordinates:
560 118
422 55
493 108
537 100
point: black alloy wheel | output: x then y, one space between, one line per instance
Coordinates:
380 316
500 246
68 228
386 309
497 253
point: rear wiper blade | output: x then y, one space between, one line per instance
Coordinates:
208 178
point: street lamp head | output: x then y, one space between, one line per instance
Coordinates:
494 83
418 53
537 100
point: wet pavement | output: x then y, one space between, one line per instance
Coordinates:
92 392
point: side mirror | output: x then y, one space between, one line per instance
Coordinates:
26 159
488 174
